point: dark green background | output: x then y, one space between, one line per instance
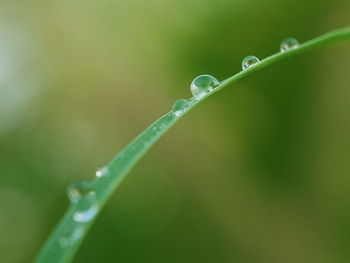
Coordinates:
259 173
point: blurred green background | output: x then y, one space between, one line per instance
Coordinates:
258 173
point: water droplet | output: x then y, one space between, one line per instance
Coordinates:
249 62
71 236
86 210
202 85
179 107
288 44
78 189
101 172
83 197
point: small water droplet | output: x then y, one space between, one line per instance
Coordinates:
202 85
179 106
101 172
83 196
249 62
87 210
71 236
288 44
78 189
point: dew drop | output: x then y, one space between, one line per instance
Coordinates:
70 237
83 197
202 85
249 62
79 189
288 44
179 107
101 172
86 212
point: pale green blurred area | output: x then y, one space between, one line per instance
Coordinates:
258 173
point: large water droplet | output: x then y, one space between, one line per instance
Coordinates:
249 62
101 172
202 85
179 107
83 197
288 44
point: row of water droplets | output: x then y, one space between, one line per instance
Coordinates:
286 45
83 198
204 84
82 194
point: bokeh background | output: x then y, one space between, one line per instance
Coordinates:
258 173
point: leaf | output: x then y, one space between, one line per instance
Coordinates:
64 241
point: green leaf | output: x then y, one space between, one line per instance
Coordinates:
64 241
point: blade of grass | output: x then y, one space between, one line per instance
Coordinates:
55 251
